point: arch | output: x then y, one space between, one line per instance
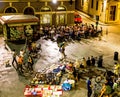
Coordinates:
45 9
61 8
29 11
10 10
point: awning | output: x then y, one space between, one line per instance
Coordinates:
17 19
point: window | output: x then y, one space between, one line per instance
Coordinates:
60 19
112 13
82 2
92 3
45 9
61 8
102 7
45 19
97 5
29 11
10 10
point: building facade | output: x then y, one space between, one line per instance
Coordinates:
61 13
107 11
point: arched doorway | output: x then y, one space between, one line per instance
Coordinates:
61 15
29 11
45 17
10 10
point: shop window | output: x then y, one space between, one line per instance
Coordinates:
16 32
10 10
45 19
60 18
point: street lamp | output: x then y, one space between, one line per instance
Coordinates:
54 1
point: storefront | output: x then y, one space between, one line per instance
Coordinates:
18 27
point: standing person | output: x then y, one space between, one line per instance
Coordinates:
92 61
34 47
100 61
30 63
83 63
62 50
14 59
22 53
20 64
88 62
106 89
89 87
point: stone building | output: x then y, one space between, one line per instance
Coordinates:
107 11
61 13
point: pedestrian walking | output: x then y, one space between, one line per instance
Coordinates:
14 59
89 87
20 65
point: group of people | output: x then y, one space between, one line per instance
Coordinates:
61 34
20 63
109 87
66 33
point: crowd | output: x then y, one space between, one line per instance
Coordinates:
25 59
61 35
68 33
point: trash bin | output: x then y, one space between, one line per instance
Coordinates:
116 56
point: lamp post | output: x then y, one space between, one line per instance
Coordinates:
54 2
105 7
97 21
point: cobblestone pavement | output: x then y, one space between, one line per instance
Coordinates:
13 85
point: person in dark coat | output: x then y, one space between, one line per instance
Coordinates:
89 87
88 62
92 61
14 59
100 61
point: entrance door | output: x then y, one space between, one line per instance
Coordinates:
112 13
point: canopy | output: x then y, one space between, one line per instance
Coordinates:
14 19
